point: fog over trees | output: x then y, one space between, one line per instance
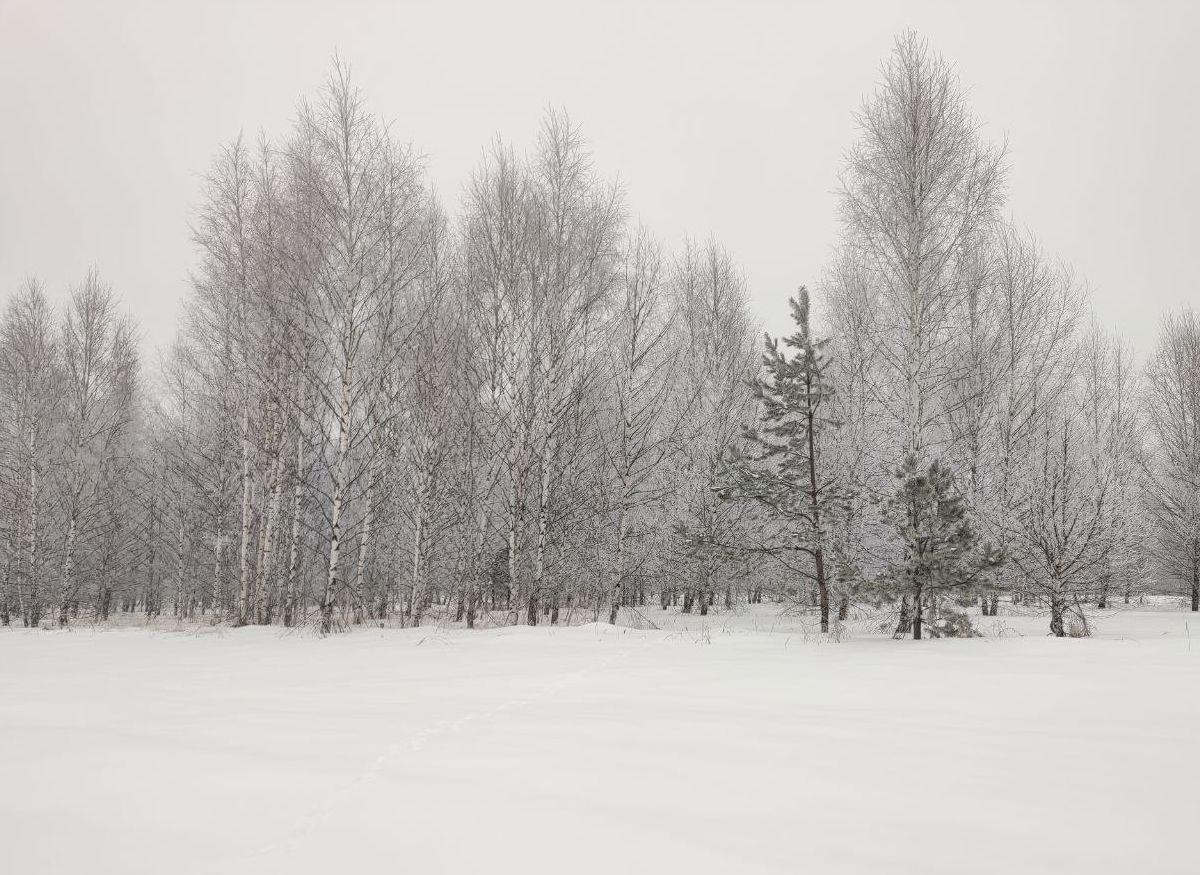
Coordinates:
522 407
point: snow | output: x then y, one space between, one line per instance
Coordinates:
737 744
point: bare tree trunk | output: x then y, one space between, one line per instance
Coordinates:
904 626
180 559
33 615
622 527
243 607
341 468
266 541
822 588
68 566
289 595
364 546
515 587
218 588
1057 608
1195 585
539 563
917 614
153 588
5 608
417 602
474 593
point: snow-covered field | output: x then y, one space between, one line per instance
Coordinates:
739 744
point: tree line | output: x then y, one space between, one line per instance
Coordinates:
532 411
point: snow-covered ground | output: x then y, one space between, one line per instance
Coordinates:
735 744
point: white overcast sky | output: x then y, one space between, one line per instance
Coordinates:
722 118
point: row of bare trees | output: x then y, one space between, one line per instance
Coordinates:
531 411
373 410
1173 455
961 346
71 521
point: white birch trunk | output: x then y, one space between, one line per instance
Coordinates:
418 557
340 473
289 597
266 552
364 546
243 607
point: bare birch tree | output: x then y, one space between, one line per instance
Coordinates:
359 226
1173 412
99 360
30 379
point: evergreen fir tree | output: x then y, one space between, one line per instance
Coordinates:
943 553
780 467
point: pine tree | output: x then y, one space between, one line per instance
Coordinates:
780 468
942 551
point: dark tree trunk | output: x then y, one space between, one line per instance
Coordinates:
1196 586
531 615
822 588
918 614
904 626
1057 608
814 499
844 608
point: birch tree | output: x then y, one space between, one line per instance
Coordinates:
360 199
572 276
497 237
714 339
1064 540
1173 414
642 381
918 192
1037 307
99 361
30 381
